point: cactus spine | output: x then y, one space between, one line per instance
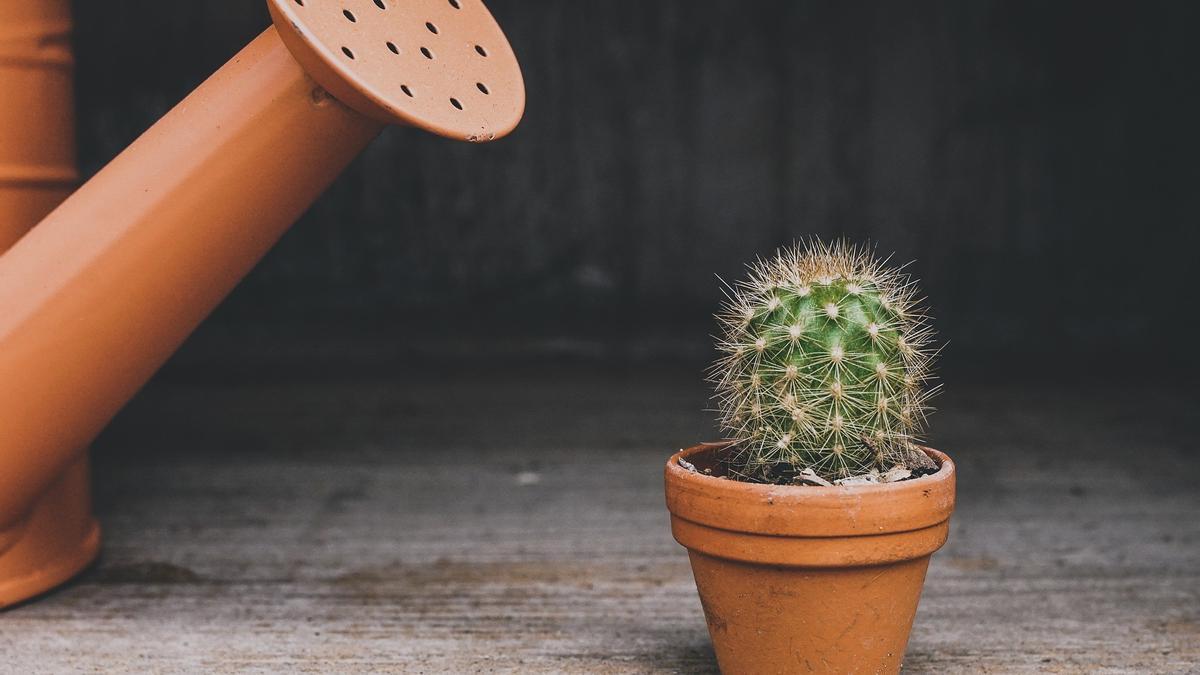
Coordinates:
824 366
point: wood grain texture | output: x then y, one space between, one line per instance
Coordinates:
1019 151
455 518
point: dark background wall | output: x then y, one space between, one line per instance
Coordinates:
1035 159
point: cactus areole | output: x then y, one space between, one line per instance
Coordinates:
824 367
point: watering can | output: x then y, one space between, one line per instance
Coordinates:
96 296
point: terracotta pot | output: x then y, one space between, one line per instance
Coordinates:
807 579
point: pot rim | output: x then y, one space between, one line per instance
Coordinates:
809 511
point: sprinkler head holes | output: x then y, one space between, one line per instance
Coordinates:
439 65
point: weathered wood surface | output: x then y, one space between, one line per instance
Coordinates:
511 520
668 140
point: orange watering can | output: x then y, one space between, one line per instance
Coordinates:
98 294
37 113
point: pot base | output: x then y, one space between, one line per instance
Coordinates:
57 540
846 620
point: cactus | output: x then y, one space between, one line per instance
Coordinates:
824 365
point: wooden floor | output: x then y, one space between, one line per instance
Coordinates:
459 519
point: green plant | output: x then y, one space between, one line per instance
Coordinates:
824 367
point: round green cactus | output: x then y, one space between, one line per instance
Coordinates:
825 364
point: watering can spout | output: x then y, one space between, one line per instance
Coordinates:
101 292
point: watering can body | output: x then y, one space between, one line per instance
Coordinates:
55 536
